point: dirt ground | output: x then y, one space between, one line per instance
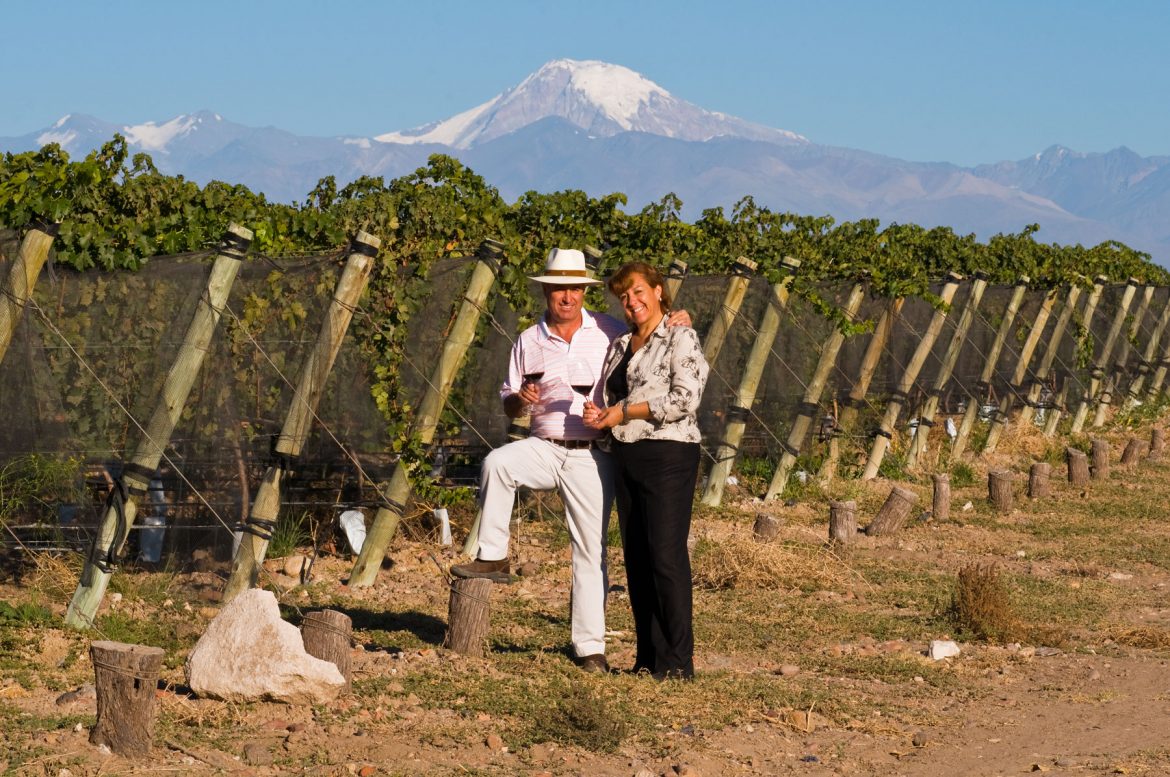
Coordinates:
1094 701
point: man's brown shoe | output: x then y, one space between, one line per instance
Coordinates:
595 663
496 571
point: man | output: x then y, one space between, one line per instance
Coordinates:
565 348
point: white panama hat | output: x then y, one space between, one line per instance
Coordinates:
566 267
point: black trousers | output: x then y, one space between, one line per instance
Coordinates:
655 493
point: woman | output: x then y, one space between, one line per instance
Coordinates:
654 377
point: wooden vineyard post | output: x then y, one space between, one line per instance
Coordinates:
1000 490
1100 459
126 679
749 382
469 616
1113 381
675 275
1040 376
328 635
1001 335
1003 412
1055 413
885 433
1159 376
737 286
1078 467
810 405
396 492
842 522
1145 364
766 528
869 361
1097 374
941 497
257 529
894 512
22 277
1157 443
921 440
119 514
1039 480
1132 453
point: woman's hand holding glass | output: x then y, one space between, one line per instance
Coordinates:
597 417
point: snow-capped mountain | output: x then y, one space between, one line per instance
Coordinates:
602 99
603 128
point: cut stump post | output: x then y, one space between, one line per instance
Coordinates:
766 527
469 616
1100 470
1132 453
894 512
125 677
843 522
1039 486
999 490
1078 467
1157 443
328 635
941 505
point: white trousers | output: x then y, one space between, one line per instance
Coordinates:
584 479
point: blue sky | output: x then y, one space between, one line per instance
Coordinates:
962 82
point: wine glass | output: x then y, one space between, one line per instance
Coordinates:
581 379
533 365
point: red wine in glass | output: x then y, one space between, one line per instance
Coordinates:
584 389
533 377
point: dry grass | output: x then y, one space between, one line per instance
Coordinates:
739 561
1145 637
53 576
981 605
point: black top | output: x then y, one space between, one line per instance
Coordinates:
617 386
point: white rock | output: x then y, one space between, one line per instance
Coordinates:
1120 576
943 648
968 507
248 653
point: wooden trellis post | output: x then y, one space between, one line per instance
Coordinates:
1134 391
921 441
737 286
1113 382
1001 335
810 405
396 492
1006 403
1160 372
869 362
885 432
748 383
1097 374
1028 411
22 277
1055 413
136 475
675 275
257 529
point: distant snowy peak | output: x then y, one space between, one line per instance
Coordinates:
156 137
600 98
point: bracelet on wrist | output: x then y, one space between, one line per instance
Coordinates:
625 410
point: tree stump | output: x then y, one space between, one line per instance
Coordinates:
766 527
1100 468
1132 452
1157 443
1038 484
328 635
126 678
999 490
941 505
1078 467
843 522
894 512
469 616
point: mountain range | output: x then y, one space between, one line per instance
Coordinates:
603 128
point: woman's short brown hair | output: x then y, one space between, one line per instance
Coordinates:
623 279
